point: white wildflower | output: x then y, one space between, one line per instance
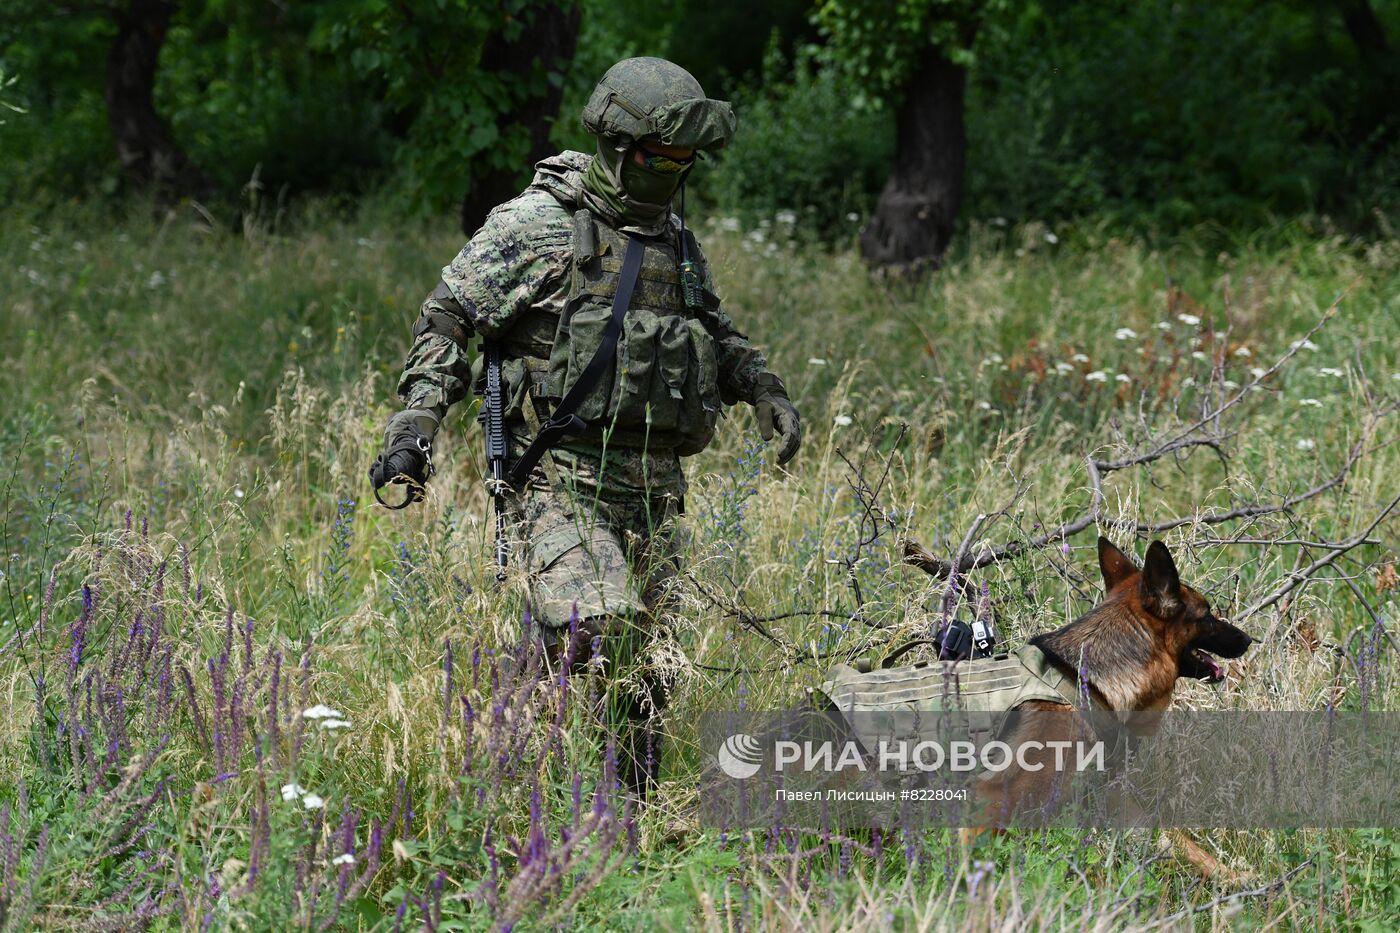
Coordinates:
1331 371
815 361
1125 333
1190 320
343 859
321 711
364 242
1123 377
1063 367
1305 444
1188 381
335 724
1051 238
1097 375
997 221
842 420
1309 403
238 492
729 223
1243 351
786 217
156 280
1303 344
312 802
1230 384
292 791
1164 325
853 217
1198 354
984 406
1079 358
1258 372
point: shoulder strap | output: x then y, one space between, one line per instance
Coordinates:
564 422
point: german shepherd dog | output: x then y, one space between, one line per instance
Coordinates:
1150 630
1127 653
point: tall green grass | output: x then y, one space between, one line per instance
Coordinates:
229 390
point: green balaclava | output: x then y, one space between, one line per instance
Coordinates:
646 99
640 196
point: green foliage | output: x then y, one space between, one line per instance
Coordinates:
1158 115
882 41
7 83
244 99
1165 113
802 147
423 56
64 146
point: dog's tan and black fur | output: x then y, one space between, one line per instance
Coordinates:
1127 654
1150 630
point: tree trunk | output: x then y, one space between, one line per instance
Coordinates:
546 42
1375 112
150 159
913 220
1365 29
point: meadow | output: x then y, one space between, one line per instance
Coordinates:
242 696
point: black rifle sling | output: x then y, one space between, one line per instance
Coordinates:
564 422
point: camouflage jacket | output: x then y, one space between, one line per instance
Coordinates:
510 282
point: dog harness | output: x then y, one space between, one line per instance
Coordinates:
889 701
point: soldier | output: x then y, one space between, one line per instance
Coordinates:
593 519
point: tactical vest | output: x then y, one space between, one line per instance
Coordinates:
890 700
661 390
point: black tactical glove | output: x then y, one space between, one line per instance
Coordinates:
407 456
773 407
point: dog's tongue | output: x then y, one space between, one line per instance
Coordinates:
1217 673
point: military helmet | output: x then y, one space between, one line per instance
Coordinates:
653 98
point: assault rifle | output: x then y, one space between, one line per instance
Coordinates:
494 429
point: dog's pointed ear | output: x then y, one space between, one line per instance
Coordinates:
1114 564
1161 584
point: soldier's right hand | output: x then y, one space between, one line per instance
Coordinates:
407 457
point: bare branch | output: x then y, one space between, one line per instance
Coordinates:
916 555
1262 891
1299 577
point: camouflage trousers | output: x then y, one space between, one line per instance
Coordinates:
607 562
608 559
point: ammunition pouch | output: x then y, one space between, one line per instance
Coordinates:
661 389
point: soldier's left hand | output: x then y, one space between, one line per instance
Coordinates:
776 411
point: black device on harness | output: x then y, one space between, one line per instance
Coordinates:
959 640
563 422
